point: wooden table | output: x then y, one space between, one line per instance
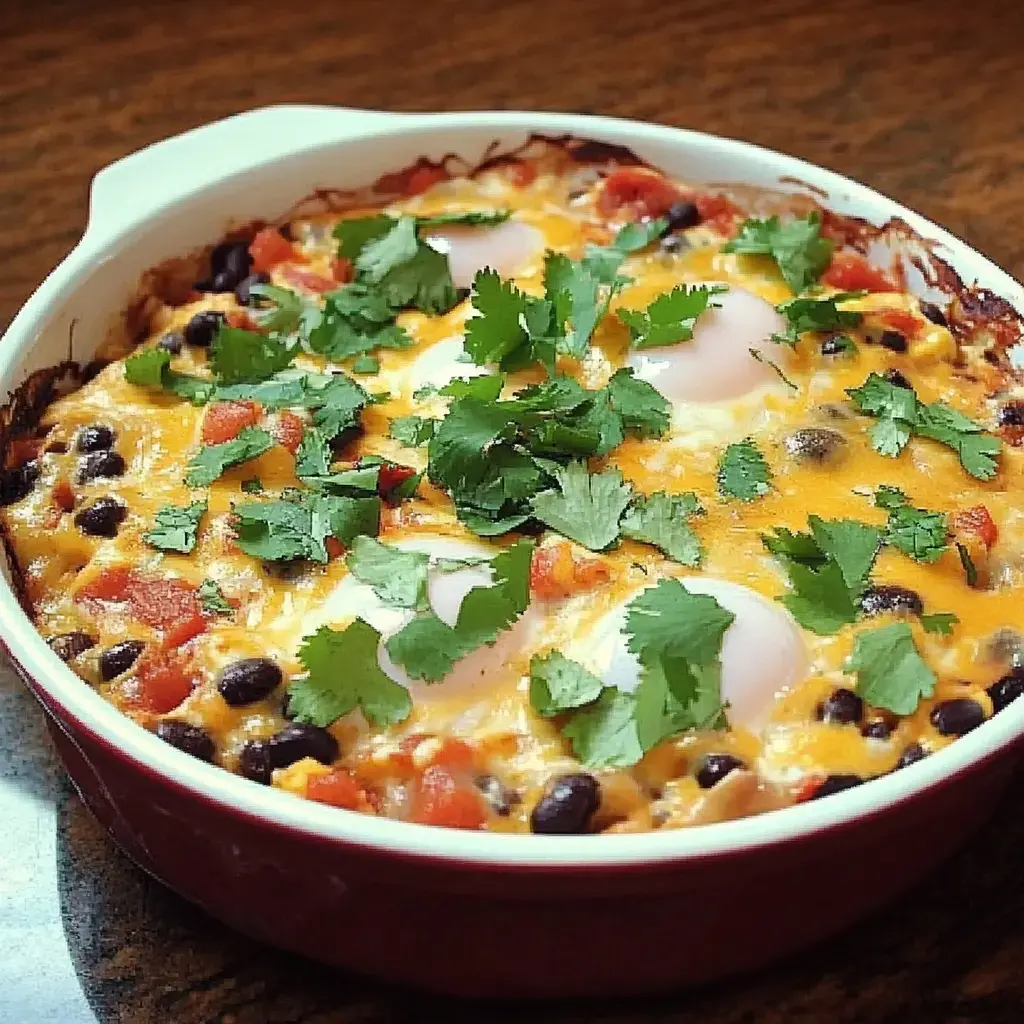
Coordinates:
924 101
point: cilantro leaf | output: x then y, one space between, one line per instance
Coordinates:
642 407
604 734
939 623
380 255
355 233
671 317
917 532
575 296
471 218
603 262
586 508
976 450
661 520
399 578
151 368
970 569
412 431
821 601
313 456
212 598
288 310
342 674
497 332
813 314
896 409
559 684
743 472
354 323
852 545
176 528
365 364
891 674
238 356
252 486
213 459
797 247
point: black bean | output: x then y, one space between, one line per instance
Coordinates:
249 680
173 342
836 784
188 738
672 244
683 215
932 312
897 378
567 806
814 444
914 753
890 597
497 794
1007 690
203 327
68 646
243 294
957 717
1012 414
100 464
1007 646
285 231
254 762
877 729
102 518
299 740
229 263
893 341
16 484
714 767
97 438
119 658
841 707
835 345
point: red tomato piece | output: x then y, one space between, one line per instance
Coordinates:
342 270
225 420
900 320
269 248
976 520
289 430
339 788
555 572
455 755
162 681
643 192
438 799
308 279
717 211
851 272
63 495
423 177
109 585
169 605
335 549
522 173
391 476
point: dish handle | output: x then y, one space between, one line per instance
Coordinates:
126 190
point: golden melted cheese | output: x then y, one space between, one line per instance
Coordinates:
157 434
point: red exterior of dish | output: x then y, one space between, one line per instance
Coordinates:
477 930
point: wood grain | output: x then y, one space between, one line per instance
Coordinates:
922 100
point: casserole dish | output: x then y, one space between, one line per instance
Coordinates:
463 912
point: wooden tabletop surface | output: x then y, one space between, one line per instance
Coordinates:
922 100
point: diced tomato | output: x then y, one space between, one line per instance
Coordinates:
339 788
63 495
455 755
225 420
240 318
809 787
289 430
308 279
22 450
642 192
335 549
717 211
522 173
851 272
423 177
162 681
109 585
554 572
169 605
342 270
978 521
269 248
439 799
391 475
900 320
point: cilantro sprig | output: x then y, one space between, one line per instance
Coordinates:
917 532
213 459
176 528
797 247
808 313
151 368
890 671
671 317
743 472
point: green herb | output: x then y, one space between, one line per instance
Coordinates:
427 648
342 674
743 472
242 357
643 408
901 414
252 486
604 734
604 261
939 623
797 247
558 684
661 520
412 431
970 569
366 365
586 508
313 456
288 311
212 598
779 372
213 459
891 674
671 317
499 334
355 321
151 368
919 533
471 218
176 528
399 578
812 314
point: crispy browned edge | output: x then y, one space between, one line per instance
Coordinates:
972 309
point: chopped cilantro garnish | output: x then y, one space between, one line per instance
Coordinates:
891 674
412 431
939 623
313 456
797 247
499 333
212 598
585 508
355 321
365 364
575 297
243 357
288 310
812 314
471 218
970 569
901 414
176 528
917 532
342 674
151 368
605 733
398 577
558 684
776 369
213 459
604 261
643 408
252 486
743 472
661 520
671 317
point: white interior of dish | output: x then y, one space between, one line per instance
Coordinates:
180 195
